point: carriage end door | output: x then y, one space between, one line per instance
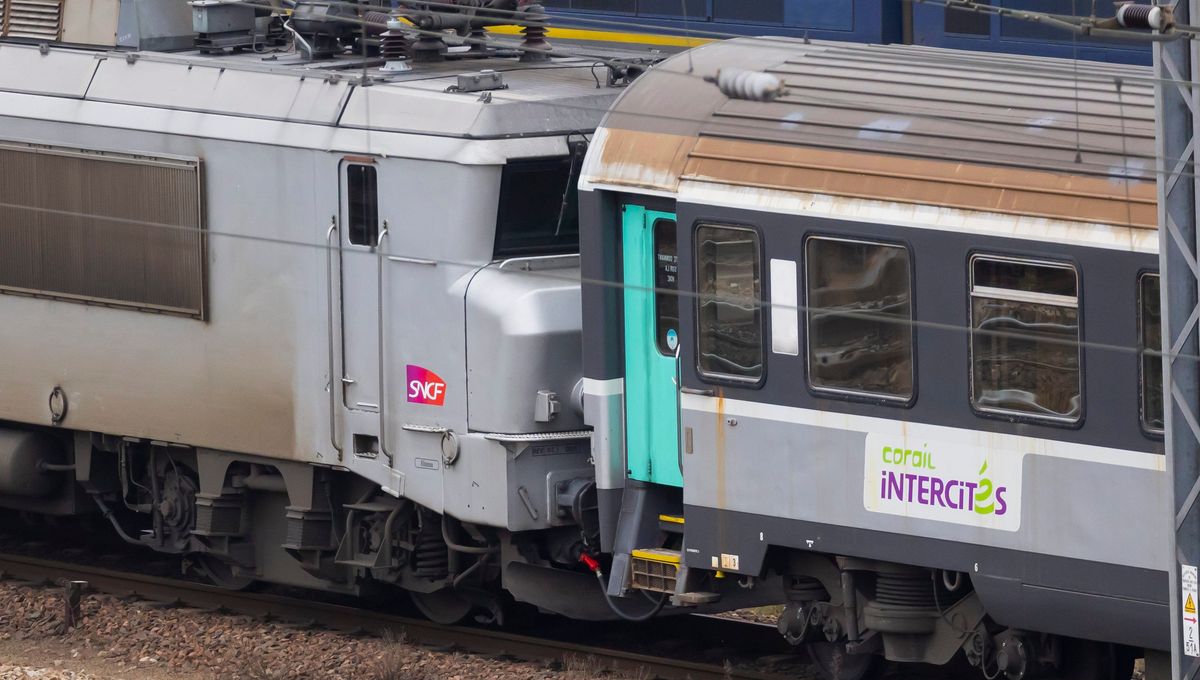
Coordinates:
651 306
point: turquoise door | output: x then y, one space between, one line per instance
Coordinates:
651 346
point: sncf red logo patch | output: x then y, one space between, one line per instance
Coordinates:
425 386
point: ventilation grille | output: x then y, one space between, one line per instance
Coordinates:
102 229
37 19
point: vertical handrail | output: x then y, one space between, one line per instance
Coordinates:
679 438
329 253
382 318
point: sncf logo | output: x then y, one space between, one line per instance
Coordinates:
425 386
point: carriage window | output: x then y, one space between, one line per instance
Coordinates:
1150 330
666 285
1025 338
362 202
859 318
730 303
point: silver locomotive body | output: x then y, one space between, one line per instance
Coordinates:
252 303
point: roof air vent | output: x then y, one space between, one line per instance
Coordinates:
34 19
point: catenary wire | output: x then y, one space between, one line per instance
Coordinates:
765 304
373 253
1019 160
785 43
1015 160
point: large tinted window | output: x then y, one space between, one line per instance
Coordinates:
1150 329
859 317
602 5
362 201
966 22
1025 338
690 9
764 11
728 272
539 210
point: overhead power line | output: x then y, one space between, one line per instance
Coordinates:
619 285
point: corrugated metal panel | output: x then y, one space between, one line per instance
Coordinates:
102 228
33 19
993 133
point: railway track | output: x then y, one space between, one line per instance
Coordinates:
353 619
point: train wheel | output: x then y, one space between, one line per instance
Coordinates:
1088 660
444 606
220 573
834 663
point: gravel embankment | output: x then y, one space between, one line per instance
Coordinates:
139 641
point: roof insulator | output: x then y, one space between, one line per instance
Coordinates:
1144 16
737 83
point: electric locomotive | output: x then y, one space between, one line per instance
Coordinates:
873 328
294 293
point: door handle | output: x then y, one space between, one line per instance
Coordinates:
698 392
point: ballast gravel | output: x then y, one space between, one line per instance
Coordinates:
125 640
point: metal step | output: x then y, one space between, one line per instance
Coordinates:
672 524
365 564
372 506
695 599
654 569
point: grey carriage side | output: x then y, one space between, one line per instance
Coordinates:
951 157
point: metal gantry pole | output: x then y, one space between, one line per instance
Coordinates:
1178 128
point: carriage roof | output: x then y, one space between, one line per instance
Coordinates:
1037 137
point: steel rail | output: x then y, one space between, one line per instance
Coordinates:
350 619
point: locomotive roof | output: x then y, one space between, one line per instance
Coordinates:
555 98
1039 137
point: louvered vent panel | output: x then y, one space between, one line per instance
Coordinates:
3 20
33 19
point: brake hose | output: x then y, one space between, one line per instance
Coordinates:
591 563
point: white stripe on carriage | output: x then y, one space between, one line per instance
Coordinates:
937 218
917 432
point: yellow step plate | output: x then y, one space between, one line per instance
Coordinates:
658 555
670 519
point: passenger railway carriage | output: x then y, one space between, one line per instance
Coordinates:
883 337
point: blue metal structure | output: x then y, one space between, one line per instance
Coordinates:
871 21
875 21
941 27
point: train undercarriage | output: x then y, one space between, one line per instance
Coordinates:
238 519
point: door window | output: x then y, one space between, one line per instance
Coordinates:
1150 330
666 288
730 303
860 336
362 205
1025 338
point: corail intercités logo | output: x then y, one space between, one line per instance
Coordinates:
959 479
